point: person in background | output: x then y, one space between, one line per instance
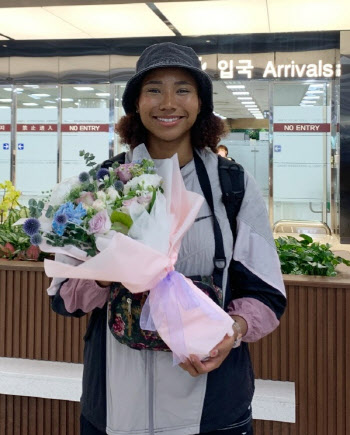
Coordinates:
131 387
223 151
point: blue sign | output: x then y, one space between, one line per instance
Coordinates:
277 148
5 146
20 146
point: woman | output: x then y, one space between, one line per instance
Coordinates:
169 107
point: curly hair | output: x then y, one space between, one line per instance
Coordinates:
207 131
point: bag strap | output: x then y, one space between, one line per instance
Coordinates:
231 175
219 258
120 158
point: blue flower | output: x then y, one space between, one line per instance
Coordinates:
119 185
58 229
31 226
84 177
36 239
65 214
102 173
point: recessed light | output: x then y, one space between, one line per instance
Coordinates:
244 98
7 89
240 93
30 104
67 99
83 88
313 97
5 100
103 94
235 86
314 92
50 107
38 95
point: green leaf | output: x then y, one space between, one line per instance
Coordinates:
123 218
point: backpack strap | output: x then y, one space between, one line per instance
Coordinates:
120 158
231 175
219 258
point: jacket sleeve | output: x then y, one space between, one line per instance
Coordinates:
258 292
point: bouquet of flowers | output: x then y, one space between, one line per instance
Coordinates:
132 214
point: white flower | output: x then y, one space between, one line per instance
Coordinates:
101 195
61 190
145 180
99 205
112 194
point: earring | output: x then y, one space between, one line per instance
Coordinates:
137 111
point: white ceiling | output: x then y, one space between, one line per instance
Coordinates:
189 18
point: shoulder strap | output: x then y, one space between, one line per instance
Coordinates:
219 258
120 158
231 175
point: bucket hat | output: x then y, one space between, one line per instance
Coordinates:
168 55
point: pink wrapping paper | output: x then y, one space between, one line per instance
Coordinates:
200 324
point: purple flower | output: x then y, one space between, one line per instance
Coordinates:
100 223
84 177
102 173
36 239
124 172
31 226
61 219
119 185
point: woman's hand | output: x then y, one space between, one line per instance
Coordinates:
195 367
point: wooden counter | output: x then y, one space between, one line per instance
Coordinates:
310 348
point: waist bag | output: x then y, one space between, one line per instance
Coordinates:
124 307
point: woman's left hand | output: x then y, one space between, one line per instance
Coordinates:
195 367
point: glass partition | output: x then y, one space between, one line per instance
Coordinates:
301 144
85 125
5 132
36 139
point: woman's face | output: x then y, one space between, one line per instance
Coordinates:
168 104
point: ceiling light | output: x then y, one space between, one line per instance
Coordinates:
235 86
314 92
244 98
247 103
103 94
7 89
5 107
31 86
240 93
5 100
316 86
50 107
38 95
67 99
309 101
309 97
30 104
83 88
18 90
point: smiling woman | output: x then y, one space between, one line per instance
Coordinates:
130 384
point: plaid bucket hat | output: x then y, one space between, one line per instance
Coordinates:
169 55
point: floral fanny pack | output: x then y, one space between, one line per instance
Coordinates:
124 311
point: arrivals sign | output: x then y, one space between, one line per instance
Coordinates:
245 69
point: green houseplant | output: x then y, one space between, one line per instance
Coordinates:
306 257
14 243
